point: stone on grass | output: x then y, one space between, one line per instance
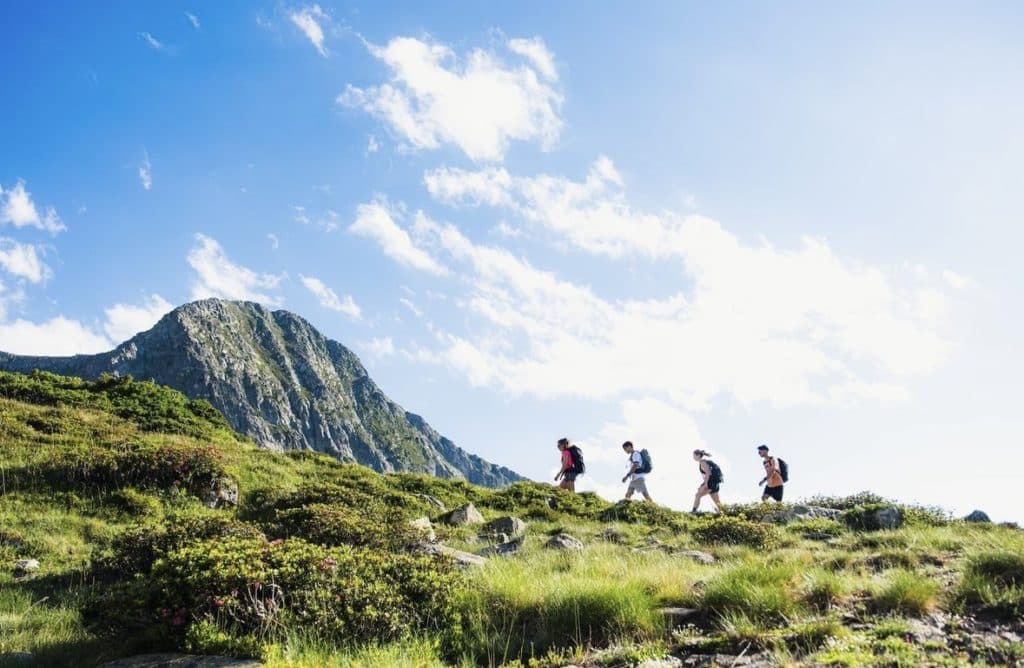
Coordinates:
25 569
511 526
424 527
181 661
461 558
222 493
503 549
698 556
800 512
564 541
663 662
613 535
431 500
887 518
467 514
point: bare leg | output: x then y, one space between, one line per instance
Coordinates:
701 491
718 502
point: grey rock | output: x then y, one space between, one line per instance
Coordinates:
800 512
613 535
181 661
698 556
511 526
467 514
504 549
25 569
461 558
676 617
887 518
664 662
282 383
223 493
977 516
426 529
564 541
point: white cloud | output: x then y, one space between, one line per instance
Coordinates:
18 209
58 336
328 298
759 324
328 222
145 173
475 102
193 19
218 276
153 42
309 19
126 320
275 243
537 53
371 145
377 221
407 303
380 347
22 260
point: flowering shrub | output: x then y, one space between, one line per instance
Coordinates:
726 530
324 524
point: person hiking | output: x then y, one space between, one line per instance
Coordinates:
572 464
712 481
773 478
638 468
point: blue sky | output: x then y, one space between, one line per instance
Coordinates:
685 224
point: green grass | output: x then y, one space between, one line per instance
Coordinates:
905 592
994 583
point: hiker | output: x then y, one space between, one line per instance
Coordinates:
639 466
712 481
775 475
572 464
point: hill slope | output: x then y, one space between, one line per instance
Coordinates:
317 565
280 382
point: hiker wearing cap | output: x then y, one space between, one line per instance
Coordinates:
712 480
773 478
639 466
572 465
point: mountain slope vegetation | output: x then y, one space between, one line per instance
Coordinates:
158 528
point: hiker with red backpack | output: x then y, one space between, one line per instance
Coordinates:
639 467
712 482
776 473
572 464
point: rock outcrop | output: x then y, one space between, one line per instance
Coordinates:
281 382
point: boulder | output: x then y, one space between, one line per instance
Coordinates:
433 501
977 516
181 661
222 493
426 529
467 514
564 541
25 569
887 518
801 512
511 526
663 662
698 556
461 558
504 549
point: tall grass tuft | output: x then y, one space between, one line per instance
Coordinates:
905 592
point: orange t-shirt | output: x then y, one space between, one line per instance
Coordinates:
566 460
772 471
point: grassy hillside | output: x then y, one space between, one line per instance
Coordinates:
104 484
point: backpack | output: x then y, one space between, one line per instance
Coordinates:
783 470
578 467
645 462
715 472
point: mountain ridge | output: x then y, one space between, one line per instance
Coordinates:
281 382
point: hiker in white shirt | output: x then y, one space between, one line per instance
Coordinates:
635 477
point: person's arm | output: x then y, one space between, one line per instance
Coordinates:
765 478
632 468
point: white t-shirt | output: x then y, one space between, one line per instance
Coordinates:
638 459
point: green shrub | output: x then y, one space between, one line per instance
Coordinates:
377 526
825 588
819 526
848 502
905 592
862 518
725 530
639 512
993 583
247 586
539 500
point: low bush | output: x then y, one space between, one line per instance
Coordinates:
824 588
250 587
378 526
905 592
640 512
847 502
544 501
726 530
817 526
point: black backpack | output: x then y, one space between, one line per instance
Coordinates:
578 467
715 472
645 462
784 470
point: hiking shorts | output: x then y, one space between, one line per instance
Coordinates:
714 485
637 485
570 476
774 493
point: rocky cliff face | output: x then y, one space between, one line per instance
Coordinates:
281 382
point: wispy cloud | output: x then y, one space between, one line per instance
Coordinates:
145 172
218 276
193 19
126 320
309 20
476 102
18 209
329 299
275 243
22 260
376 221
153 42
327 222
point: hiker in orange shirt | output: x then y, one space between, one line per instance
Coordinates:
773 476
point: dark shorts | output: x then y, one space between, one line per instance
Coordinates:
774 493
714 486
570 476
